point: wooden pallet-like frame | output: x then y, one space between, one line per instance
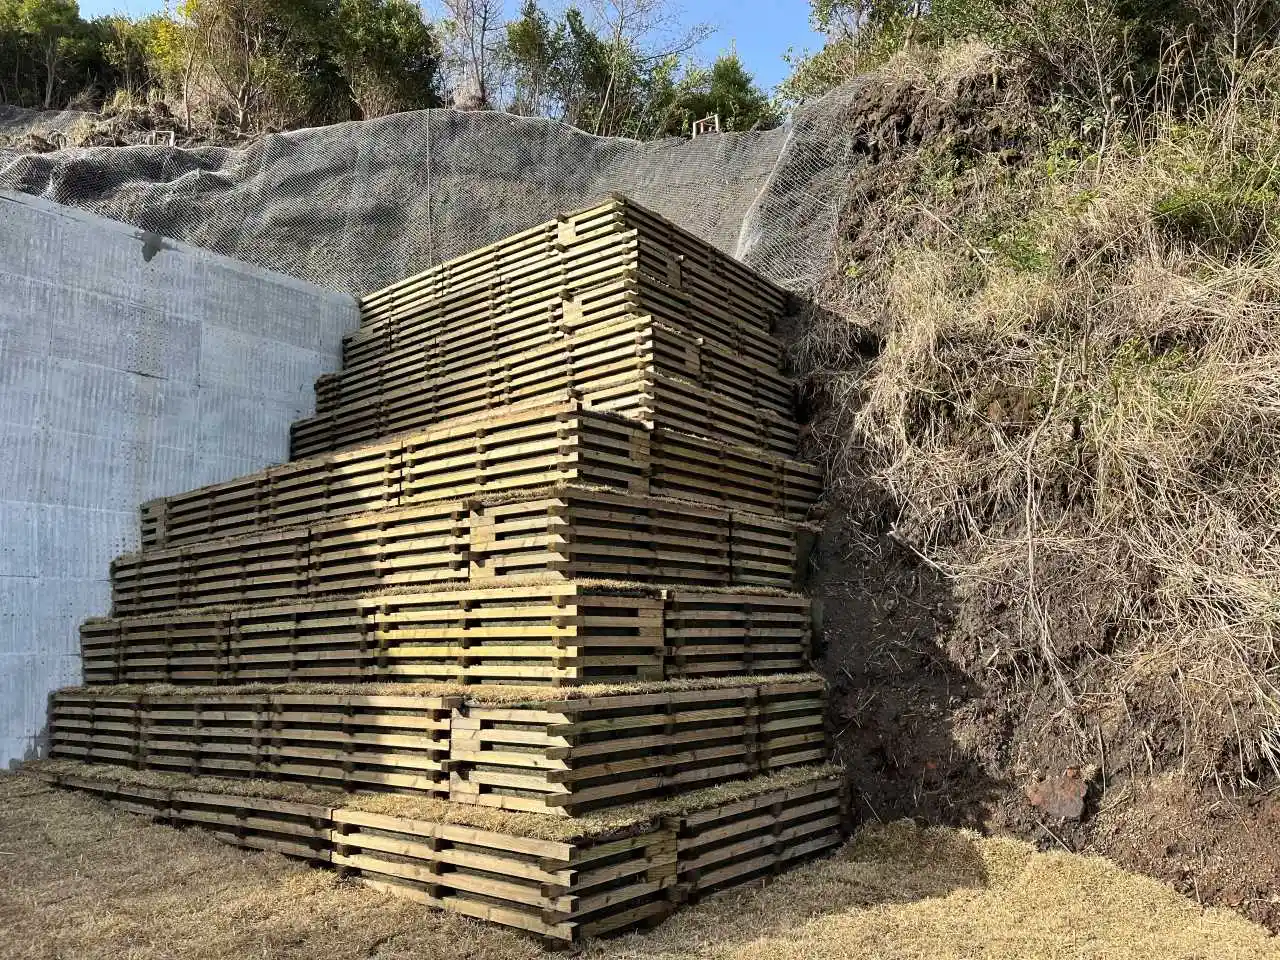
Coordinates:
557 755
568 534
724 278
718 634
573 756
727 845
547 634
492 453
562 890
615 536
495 353
689 467
687 407
556 634
703 291
619 360
293 828
368 742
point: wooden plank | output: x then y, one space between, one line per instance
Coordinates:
557 889
679 632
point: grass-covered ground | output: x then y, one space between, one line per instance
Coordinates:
79 880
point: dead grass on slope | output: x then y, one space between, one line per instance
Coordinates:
1058 373
80 880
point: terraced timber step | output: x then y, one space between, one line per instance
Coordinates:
514 748
565 533
491 453
563 634
501 319
676 256
565 333
352 739
696 287
560 878
471 333
621 361
598 752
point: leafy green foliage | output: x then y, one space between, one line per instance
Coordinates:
38 39
253 63
272 64
566 69
1225 202
1224 215
726 90
389 56
535 51
864 34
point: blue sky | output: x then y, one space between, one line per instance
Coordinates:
762 29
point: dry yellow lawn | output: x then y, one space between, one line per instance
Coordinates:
78 880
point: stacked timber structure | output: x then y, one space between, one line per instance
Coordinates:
516 632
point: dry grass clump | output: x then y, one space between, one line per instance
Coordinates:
598 825
1064 371
947 65
477 694
78 879
164 780
616 821
900 892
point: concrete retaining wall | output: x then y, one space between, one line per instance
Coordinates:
130 367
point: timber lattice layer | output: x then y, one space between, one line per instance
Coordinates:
561 634
568 533
538 446
593 883
550 754
516 633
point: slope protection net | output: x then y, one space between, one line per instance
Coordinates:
357 206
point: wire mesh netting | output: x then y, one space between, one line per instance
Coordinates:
357 206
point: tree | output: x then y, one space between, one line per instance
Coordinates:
534 53
616 77
174 56
17 66
475 30
229 37
641 35
259 54
50 25
390 57
127 47
726 90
